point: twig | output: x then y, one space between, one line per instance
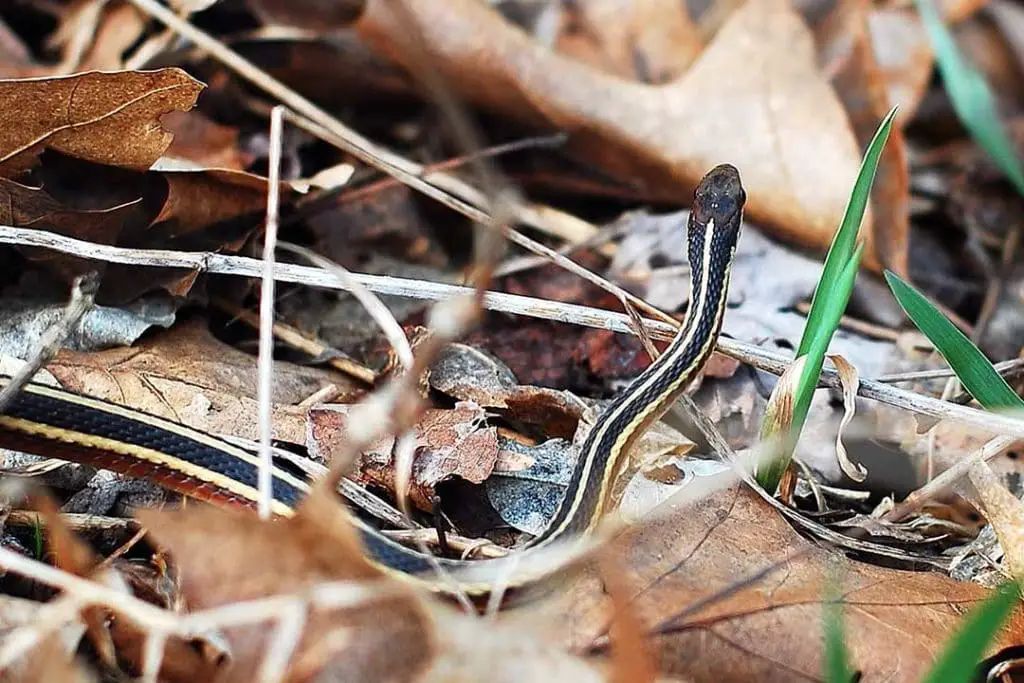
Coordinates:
83 292
317 121
380 313
1006 368
948 477
750 354
343 194
265 362
857 325
313 347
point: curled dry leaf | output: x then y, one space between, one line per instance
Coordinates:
1005 513
449 443
897 621
850 381
755 98
108 118
778 414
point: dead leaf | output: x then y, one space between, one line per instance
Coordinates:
651 41
108 118
120 643
15 58
449 443
469 374
1004 512
903 54
23 206
375 639
95 35
209 210
323 15
188 376
204 142
755 97
49 660
861 86
896 621
365 224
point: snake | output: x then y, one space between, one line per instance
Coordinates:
57 423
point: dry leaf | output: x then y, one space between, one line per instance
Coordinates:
108 118
188 376
896 621
1004 512
755 98
469 374
379 638
862 88
94 35
204 142
651 41
449 443
324 15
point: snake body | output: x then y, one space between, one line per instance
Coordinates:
61 424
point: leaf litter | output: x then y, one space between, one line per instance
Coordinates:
708 583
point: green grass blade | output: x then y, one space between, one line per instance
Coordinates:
837 659
37 536
831 296
846 236
960 657
970 365
971 96
775 461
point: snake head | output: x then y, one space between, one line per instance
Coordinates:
719 197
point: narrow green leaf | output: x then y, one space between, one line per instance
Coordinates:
775 460
960 657
846 236
971 96
37 528
827 306
970 365
837 667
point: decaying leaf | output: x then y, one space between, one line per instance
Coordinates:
651 41
373 637
755 97
897 621
861 85
449 443
188 376
108 118
468 374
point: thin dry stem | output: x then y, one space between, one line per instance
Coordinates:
380 313
265 362
948 478
750 354
327 127
83 292
294 338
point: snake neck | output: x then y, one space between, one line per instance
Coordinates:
604 452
